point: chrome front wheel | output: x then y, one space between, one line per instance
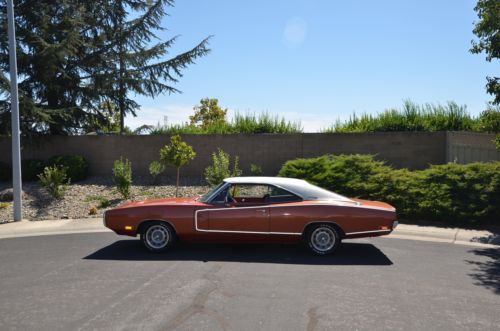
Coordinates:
323 239
157 237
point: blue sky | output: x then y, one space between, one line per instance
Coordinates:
316 61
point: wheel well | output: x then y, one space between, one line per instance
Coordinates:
144 224
335 225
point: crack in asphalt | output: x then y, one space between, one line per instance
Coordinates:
313 318
198 305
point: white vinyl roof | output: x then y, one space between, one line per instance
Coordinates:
265 180
297 186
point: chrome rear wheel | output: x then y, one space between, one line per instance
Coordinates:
322 239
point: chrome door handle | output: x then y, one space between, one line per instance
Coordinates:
261 210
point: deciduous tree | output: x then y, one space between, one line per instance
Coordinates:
487 30
207 113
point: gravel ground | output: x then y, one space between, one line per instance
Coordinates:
84 199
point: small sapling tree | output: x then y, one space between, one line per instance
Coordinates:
178 153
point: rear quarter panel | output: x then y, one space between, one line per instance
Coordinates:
351 219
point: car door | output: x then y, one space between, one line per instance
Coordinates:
245 212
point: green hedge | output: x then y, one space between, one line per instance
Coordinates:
5 172
76 166
31 168
450 193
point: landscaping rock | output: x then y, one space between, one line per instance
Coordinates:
95 192
7 195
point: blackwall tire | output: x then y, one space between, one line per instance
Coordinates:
157 237
322 239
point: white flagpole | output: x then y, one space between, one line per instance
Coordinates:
14 106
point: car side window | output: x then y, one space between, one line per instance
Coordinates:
221 197
249 191
280 195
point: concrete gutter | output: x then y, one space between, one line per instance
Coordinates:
447 235
27 228
457 236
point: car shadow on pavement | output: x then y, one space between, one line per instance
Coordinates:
487 272
347 254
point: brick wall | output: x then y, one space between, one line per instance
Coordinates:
413 150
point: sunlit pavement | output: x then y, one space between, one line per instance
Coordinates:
102 281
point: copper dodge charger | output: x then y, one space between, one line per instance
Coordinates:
254 209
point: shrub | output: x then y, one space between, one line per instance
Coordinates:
345 174
93 210
31 168
54 180
156 168
122 176
220 168
255 169
103 202
451 193
5 172
76 166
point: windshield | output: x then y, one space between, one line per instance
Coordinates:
206 196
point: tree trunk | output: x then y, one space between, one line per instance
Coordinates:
177 186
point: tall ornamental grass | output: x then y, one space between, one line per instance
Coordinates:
248 123
426 117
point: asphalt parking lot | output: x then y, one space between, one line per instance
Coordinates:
102 281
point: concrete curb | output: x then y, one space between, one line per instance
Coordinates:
457 236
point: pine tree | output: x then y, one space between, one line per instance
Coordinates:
134 54
76 55
49 42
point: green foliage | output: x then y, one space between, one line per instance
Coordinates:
178 153
156 168
412 117
72 55
264 123
496 141
103 201
451 193
249 123
208 113
76 166
349 172
489 120
221 168
134 56
255 169
487 30
54 180
4 205
31 168
122 177
109 122
5 172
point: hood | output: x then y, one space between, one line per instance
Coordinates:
160 202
